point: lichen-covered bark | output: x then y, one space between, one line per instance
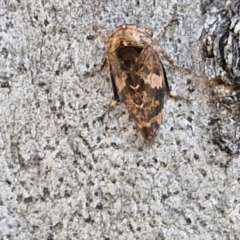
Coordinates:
222 67
66 174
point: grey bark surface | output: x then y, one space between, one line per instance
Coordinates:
64 174
222 67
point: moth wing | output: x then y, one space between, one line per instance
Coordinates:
142 87
147 88
153 76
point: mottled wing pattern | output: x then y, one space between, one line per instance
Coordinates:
140 79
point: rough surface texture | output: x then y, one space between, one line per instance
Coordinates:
64 174
222 67
222 43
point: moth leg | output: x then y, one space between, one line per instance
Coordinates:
174 94
163 54
103 64
115 92
94 72
98 30
169 91
115 100
167 87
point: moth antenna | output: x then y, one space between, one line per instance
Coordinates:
98 30
162 54
162 31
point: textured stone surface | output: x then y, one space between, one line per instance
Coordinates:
64 174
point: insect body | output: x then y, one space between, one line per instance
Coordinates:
138 76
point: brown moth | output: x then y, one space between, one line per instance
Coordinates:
137 75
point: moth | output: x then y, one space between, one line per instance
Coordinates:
137 75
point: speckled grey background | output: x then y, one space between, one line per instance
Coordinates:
64 174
